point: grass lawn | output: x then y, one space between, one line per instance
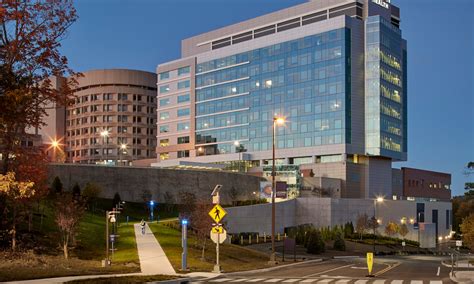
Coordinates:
125 279
232 257
85 257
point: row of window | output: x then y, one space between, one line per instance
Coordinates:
181 140
111 96
102 152
180 99
120 129
421 183
108 141
181 126
109 107
181 71
180 85
165 115
109 118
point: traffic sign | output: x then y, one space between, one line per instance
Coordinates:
217 229
219 237
217 213
370 262
459 243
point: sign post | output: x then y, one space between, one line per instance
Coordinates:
370 263
184 244
217 213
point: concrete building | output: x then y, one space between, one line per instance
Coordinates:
335 69
113 118
419 184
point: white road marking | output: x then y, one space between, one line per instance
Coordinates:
325 281
240 280
291 280
437 273
397 282
274 280
378 282
329 270
308 281
436 282
256 280
221 280
416 282
343 281
361 281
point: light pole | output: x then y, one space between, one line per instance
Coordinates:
276 121
105 134
376 200
152 204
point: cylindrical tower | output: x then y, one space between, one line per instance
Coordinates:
113 118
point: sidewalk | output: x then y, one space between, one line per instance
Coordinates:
153 259
465 277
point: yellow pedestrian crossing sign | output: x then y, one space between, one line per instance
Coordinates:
217 230
370 262
217 213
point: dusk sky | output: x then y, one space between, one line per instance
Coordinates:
140 34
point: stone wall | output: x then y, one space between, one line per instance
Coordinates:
130 182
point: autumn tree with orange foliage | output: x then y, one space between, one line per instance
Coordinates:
30 36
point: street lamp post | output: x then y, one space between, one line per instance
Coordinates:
376 200
123 148
152 204
279 121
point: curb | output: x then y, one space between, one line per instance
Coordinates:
274 268
174 281
346 257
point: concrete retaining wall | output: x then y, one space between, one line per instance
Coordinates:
130 182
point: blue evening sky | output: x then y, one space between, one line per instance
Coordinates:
139 34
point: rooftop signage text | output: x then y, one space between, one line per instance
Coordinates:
383 3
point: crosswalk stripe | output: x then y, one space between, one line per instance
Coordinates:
378 282
308 281
274 280
397 282
256 280
240 280
221 280
343 281
325 281
291 280
361 281
416 282
436 282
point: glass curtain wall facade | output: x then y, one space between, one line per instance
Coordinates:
307 81
385 94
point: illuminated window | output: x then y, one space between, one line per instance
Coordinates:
164 156
164 142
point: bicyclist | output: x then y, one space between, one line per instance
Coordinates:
142 223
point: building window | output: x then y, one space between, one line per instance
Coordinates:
164 89
183 140
164 115
164 75
183 112
164 156
164 102
164 128
183 70
108 97
122 118
183 98
183 154
183 126
183 84
122 97
164 142
122 108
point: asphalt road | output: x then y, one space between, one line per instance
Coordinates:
387 270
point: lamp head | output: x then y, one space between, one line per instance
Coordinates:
279 120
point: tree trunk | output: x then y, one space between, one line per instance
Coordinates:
30 219
65 246
14 228
203 250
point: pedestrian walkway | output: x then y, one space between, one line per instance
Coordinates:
153 259
318 280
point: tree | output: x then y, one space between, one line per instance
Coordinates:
187 203
116 200
391 229
403 230
201 225
68 213
57 185
315 243
30 37
348 229
339 243
233 195
76 191
373 224
91 192
467 230
362 224
469 186
15 191
169 200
